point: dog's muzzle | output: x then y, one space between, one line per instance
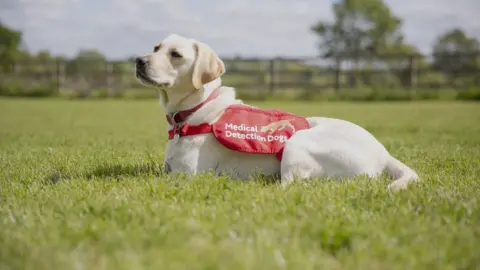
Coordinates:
141 64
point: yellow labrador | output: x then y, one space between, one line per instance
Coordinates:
188 75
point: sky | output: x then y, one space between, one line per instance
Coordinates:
248 28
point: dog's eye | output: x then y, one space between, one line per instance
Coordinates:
175 54
156 48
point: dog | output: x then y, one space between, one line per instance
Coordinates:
210 130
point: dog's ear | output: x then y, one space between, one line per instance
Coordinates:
208 66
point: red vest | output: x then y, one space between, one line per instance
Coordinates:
244 128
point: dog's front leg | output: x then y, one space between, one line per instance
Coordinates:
167 169
174 166
181 157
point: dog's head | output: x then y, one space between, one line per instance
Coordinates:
179 63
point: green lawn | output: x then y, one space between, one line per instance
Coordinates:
81 188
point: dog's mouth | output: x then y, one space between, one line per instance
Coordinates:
144 78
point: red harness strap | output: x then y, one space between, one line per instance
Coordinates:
187 130
177 118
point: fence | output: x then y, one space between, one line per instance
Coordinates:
83 77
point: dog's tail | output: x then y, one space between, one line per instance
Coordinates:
402 174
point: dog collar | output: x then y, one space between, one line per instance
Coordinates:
177 118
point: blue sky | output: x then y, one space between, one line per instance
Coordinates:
122 28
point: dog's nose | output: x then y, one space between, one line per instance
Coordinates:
141 61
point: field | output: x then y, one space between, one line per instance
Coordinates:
81 188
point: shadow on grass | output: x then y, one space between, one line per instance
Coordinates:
56 177
267 180
109 171
117 171
120 170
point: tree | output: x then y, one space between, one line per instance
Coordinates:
44 56
10 42
454 54
88 62
89 70
360 27
363 32
89 55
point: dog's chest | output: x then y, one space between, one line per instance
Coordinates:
186 155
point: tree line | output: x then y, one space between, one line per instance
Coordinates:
367 31
363 33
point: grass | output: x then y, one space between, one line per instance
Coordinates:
81 187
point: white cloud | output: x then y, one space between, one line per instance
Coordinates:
426 19
40 12
122 28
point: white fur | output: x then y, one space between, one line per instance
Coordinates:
331 148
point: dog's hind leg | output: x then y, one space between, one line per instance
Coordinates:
297 164
401 173
292 172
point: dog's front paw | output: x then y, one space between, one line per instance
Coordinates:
398 185
285 183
